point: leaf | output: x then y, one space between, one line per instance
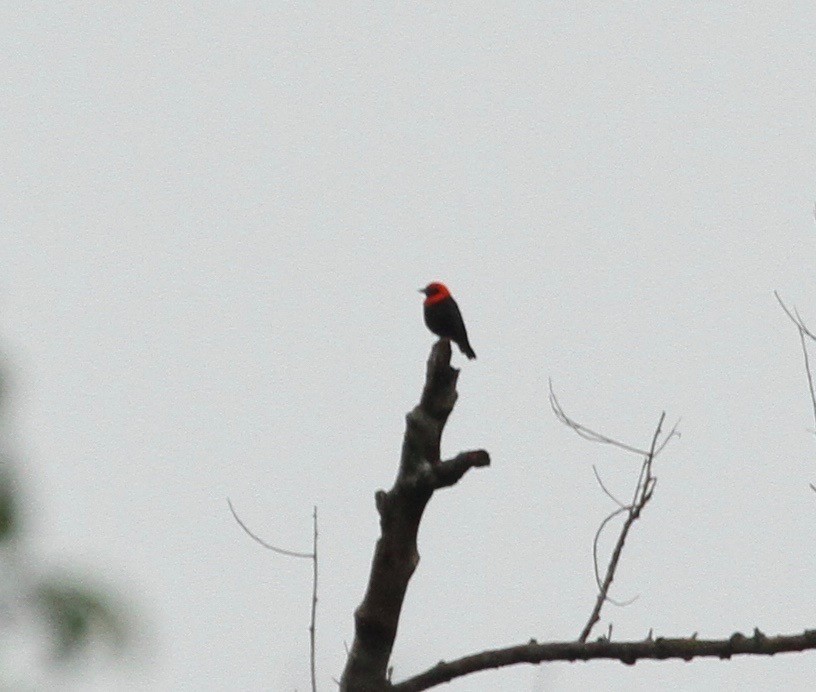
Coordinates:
8 508
79 616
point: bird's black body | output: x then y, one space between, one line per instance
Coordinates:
443 318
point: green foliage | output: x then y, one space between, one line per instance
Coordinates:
79 615
8 508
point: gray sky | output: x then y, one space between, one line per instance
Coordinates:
214 219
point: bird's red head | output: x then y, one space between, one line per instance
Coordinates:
435 292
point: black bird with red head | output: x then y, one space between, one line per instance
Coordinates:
443 318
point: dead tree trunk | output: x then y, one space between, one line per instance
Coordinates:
421 472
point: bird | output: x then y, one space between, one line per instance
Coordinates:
443 318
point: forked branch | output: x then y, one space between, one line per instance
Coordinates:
643 493
796 318
291 553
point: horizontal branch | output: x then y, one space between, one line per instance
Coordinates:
449 472
626 652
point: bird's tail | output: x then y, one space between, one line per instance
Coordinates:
465 348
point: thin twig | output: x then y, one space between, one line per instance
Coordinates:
643 493
604 488
585 432
268 546
595 567
314 602
785 308
802 322
598 581
291 553
809 374
796 318
593 436
674 432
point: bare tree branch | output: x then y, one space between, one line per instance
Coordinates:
585 432
796 318
592 436
642 495
605 489
421 472
268 546
291 553
597 538
807 370
595 563
626 652
312 629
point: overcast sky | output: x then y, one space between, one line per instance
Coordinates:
214 218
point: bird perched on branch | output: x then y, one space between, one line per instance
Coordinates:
443 318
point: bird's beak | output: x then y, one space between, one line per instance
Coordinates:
422 290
